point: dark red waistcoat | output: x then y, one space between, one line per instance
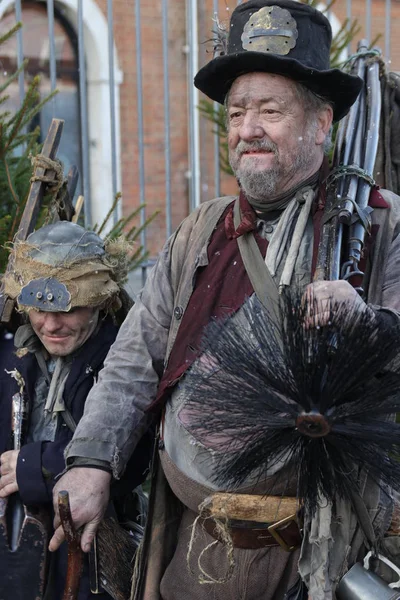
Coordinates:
222 286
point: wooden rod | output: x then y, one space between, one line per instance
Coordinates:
75 553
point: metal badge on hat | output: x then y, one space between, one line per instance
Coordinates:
45 293
270 29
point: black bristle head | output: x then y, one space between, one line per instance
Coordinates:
317 399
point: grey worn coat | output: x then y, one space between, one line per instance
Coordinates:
128 383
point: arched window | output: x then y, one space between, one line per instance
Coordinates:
36 49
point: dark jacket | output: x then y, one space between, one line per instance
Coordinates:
39 463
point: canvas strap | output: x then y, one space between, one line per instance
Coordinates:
260 277
363 518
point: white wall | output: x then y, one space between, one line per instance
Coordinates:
98 93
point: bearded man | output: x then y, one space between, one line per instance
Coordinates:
281 99
67 283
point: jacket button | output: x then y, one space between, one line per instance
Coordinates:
178 312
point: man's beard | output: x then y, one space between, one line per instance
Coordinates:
268 182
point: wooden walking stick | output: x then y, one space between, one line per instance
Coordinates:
75 553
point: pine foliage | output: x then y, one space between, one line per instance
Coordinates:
17 144
125 226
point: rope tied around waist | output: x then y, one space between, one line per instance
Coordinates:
222 533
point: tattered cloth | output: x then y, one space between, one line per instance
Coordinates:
89 282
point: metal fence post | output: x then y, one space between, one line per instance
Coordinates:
111 82
84 117
20 52
167 133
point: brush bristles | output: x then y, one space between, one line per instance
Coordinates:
254 381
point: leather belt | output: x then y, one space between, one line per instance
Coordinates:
284 533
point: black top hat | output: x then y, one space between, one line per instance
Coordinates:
284 37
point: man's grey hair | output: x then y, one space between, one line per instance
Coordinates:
312 104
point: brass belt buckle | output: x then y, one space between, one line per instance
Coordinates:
272 529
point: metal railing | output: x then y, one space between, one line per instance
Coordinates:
101 152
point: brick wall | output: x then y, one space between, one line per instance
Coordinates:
153 108
151 31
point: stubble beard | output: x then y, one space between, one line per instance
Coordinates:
267 183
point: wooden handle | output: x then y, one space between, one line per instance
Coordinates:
72 181
75 554
249 507
34 201
32 206
78 209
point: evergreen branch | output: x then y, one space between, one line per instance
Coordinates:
4 221
38 107
375 40
10 33
135 263
117 229
10 183
134 213
6 113
29 140
136 255
117 198
131 235
215 115
14 76
346 33
20 115
24 167
3 99
16 220
134 233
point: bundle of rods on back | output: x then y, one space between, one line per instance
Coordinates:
347 218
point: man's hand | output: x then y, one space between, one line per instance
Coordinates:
8 473
89 491
325 297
